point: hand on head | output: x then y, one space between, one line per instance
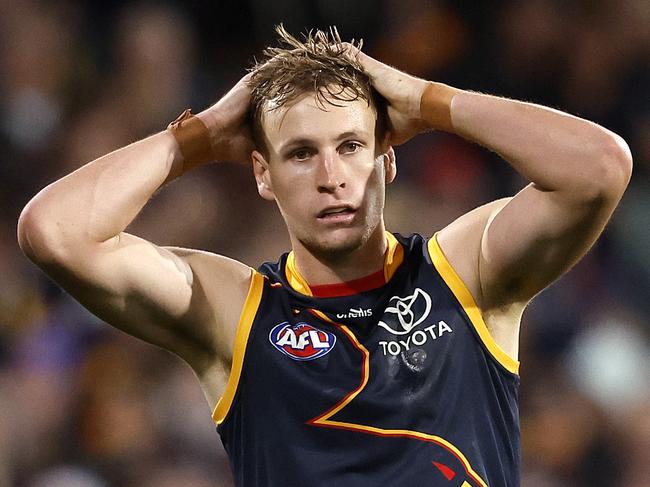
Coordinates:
227 121
402 92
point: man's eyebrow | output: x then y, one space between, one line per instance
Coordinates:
352 134
297 142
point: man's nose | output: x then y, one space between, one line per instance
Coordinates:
331 174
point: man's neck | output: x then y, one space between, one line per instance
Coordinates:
366 260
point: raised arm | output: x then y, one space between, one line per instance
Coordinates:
508 250
185 301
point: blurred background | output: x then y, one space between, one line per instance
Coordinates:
84 405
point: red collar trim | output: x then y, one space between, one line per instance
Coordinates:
349 288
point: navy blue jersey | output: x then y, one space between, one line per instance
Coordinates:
393 383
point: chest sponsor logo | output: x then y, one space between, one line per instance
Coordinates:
403 318
301 341
408 312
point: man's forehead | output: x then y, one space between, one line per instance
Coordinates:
308 113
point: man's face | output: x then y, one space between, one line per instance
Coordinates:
326 174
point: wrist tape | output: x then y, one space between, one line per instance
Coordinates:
193 139
435 106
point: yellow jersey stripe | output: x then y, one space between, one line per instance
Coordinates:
394 256
468 303
246 319
295 279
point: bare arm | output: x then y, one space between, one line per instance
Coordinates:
578 171
509 250
185 301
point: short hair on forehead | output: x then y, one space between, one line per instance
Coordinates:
320 64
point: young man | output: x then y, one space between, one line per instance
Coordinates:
361 358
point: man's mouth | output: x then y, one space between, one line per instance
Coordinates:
336 212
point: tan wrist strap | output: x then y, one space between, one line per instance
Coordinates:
193 139
435 106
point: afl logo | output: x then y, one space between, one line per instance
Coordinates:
301 341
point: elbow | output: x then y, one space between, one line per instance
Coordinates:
32 237
613 168
49 236
37 235
619 161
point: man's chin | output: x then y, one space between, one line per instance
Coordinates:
334 247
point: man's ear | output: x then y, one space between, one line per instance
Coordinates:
262 176
390 165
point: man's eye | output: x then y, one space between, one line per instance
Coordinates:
302 154
350 147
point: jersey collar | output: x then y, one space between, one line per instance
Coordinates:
392 259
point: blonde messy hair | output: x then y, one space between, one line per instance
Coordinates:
321 64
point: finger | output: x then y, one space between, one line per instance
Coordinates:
370 65
237 99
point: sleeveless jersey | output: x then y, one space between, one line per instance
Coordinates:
400 385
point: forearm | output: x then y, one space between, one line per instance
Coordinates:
556 151
98 201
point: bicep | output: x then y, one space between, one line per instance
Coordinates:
533 239
154 293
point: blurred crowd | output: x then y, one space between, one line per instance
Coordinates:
84 405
